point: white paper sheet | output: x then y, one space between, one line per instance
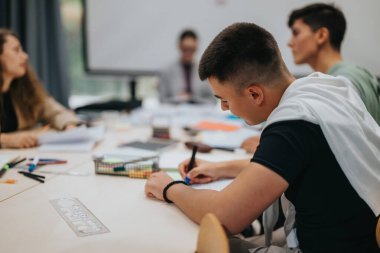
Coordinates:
79 139
216 185
84 146
227 139
171 160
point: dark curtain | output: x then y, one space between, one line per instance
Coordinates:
39 26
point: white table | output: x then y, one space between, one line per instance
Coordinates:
24 183
29 222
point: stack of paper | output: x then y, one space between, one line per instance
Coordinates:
79 139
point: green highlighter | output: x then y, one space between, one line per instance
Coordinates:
11 164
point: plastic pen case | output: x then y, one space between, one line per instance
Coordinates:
139 169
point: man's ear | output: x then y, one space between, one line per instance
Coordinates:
256 92
323 35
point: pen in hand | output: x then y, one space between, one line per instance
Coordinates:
191 163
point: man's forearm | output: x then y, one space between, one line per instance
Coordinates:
230 169
193 202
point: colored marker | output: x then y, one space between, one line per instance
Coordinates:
36 177
34 163
191 163
49 160
11 164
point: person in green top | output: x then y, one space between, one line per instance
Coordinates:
317 34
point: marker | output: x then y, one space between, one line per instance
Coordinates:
191 163
36 177
11 164
34 163
49 160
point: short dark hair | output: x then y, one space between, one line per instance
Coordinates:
322 15
187 33
243 54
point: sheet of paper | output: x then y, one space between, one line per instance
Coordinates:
79 134
218 126
96 132
84 146
227 139
216 185
80 139
172 159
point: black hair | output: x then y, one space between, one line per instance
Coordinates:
187 33
322 15
243 54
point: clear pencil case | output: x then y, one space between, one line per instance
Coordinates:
134 168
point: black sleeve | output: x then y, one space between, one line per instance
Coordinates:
286 148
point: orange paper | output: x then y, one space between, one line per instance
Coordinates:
212 125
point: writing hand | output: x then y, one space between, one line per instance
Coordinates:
203 171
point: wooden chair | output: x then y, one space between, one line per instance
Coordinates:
378 232
211 237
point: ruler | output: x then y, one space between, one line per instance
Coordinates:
78 217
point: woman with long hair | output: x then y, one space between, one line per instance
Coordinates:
24 103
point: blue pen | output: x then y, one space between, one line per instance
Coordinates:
191 163
34 163
48 160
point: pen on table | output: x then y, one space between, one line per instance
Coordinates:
11 164
46 161
191 163
49 160
36 177
34 163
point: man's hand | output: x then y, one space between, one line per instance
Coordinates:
156 184
203 171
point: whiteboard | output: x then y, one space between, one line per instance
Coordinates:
139 37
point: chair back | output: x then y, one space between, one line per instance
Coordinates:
211 237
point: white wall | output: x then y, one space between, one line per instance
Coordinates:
141 35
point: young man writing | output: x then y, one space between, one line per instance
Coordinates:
320 147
